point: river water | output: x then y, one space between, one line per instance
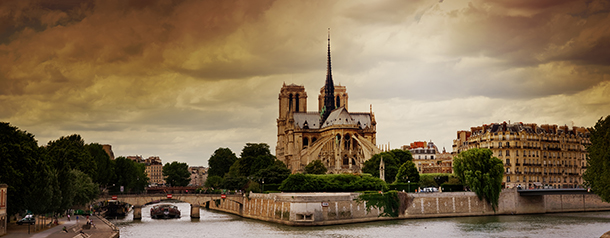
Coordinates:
217 224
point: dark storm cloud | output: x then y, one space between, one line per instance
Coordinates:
198 75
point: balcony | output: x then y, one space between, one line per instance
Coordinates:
507 164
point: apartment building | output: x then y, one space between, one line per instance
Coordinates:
534 156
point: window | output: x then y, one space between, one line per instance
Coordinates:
297 102
508 153
499 153
508 179
507 161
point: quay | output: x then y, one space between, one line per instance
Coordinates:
103 229
315 209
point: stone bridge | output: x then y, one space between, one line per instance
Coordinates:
196 200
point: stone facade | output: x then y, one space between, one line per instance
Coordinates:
198 175
428 159
3 212
313 209
533 156
343 141
154 170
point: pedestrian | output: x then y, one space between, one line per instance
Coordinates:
76 218
68 217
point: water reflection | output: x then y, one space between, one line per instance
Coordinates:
216 224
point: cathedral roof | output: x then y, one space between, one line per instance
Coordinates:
341 116
307 120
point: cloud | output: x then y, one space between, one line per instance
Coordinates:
182 78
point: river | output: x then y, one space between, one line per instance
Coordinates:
217 224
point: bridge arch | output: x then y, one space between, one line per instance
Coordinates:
195 200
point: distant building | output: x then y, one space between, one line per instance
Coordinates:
154 170
3 212
108 149
533 156
198 175
136 158
428 159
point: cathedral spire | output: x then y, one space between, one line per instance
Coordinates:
329 87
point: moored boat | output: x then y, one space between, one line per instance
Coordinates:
164 211
116 209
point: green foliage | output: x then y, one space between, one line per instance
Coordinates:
331 183
597 176
129 174
52 178
402 155
19 155
407 172
254 157
387 202
482 172
315 167
221 161
235 183
371 166
104 165
453 180
177 174
84 188
253 187
69 152
427 181
213 181
275 173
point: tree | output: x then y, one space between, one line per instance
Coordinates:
274 174
597 176
129 174
213 181
105 166
250 157
177 174
85 190
221 161
407 172
20 167
482 172
371 166
402 155
254 157
315 167
69 152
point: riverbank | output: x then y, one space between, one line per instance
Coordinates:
102 229
318 209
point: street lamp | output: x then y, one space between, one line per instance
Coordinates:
263 190
409 186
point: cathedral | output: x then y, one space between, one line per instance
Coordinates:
343 141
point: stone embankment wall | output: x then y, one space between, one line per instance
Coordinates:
308 209
300 209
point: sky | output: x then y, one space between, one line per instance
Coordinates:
180 79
